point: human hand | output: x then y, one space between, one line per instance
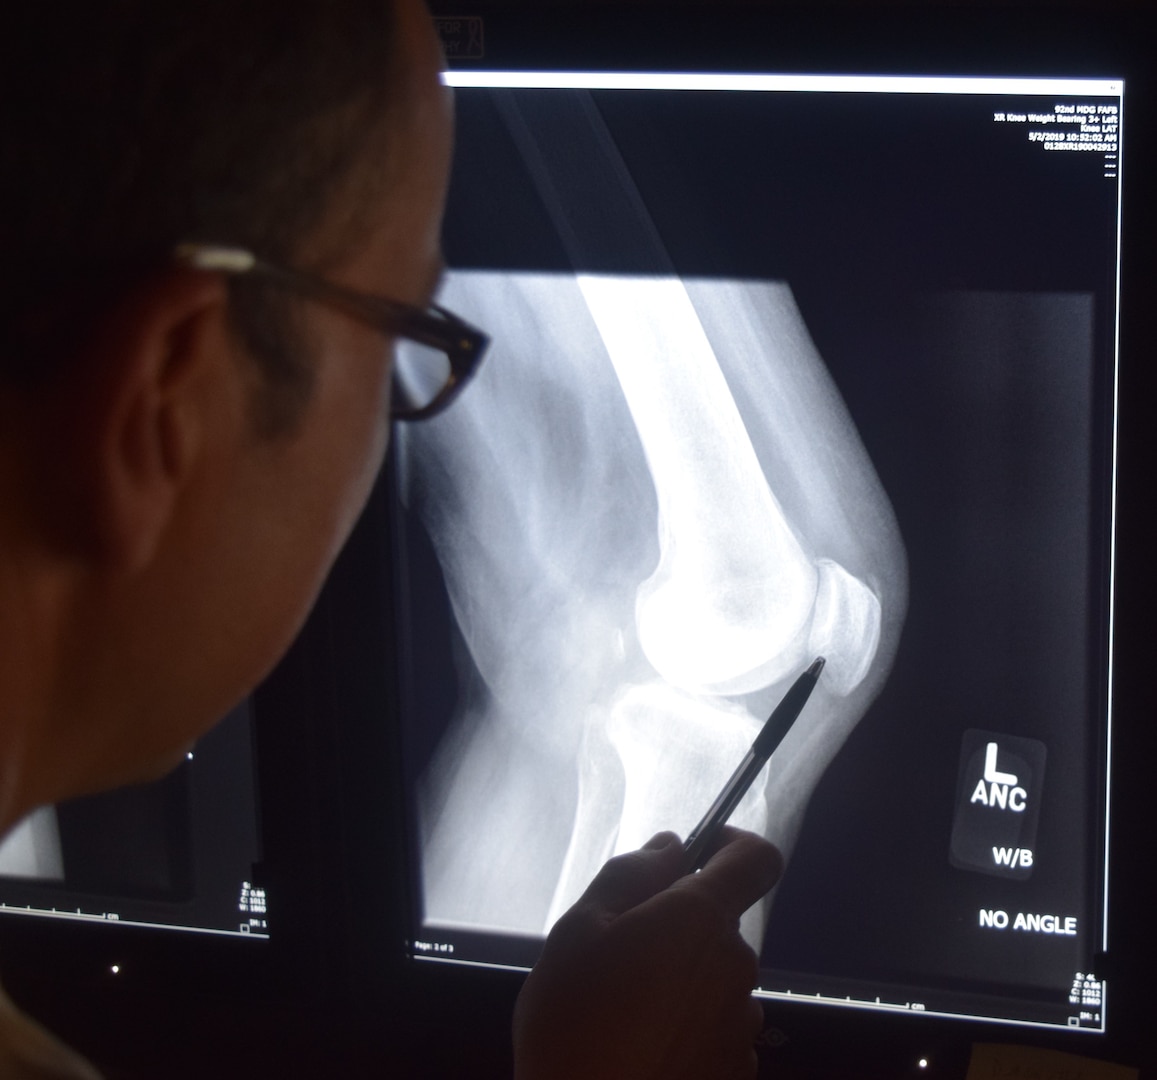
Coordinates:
647 976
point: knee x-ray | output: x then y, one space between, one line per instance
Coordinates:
776 374
637 572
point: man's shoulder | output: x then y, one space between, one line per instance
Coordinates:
29 1052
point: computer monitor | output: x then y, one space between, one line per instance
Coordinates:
181 854
807 338
783 366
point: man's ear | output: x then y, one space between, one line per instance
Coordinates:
156 383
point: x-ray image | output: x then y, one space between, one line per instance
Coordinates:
773 376
32 848
172 852
652 511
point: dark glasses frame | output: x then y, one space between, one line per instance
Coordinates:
435 327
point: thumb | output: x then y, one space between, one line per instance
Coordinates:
629 879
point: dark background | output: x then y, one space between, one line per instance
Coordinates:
331 997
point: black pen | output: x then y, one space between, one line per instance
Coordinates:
778 724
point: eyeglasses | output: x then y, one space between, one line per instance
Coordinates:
437 352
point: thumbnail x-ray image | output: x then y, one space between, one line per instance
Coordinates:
651 512
173 852
32 848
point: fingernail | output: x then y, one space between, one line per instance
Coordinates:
660 841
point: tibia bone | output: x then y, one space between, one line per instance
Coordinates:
659 763
677 752
597 814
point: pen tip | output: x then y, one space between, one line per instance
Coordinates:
816 667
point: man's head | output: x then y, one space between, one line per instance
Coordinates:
182 454
132 126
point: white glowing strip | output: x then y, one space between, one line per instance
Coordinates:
1112 551
890 1006
817 999
85 916
885 84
